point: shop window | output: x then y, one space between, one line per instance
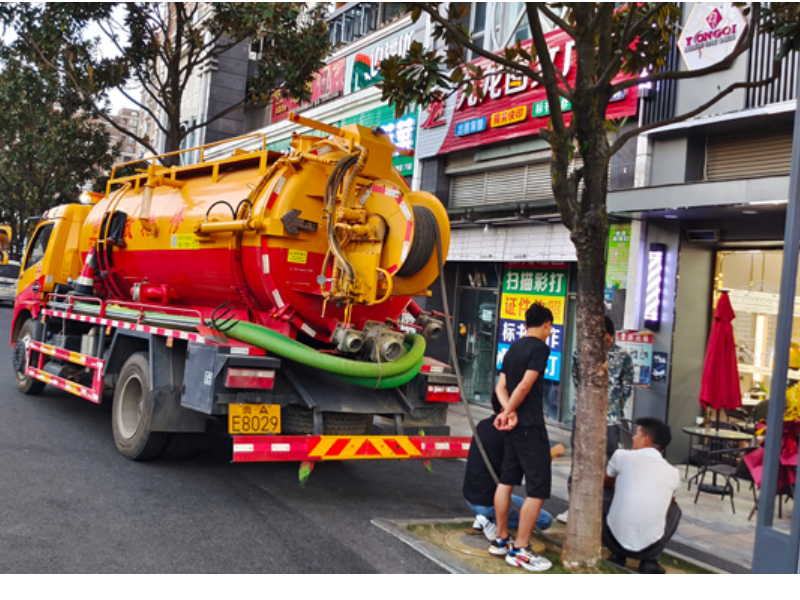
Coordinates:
361 19
752 279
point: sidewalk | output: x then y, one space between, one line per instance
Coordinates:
709 531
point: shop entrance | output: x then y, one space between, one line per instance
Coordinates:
476 320
752 278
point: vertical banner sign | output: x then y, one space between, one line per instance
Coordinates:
524 285
619 243
639 344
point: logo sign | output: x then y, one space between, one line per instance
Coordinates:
710 34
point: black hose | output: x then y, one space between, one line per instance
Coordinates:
454 359
226 203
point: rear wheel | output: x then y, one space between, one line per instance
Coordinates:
132 412
25 384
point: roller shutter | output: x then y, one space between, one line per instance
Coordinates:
743 156
526 183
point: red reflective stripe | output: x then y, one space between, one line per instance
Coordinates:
337 447
261 448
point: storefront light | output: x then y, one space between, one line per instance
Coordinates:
655 286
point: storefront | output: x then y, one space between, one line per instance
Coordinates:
484 157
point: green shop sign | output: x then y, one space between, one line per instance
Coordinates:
402 131
542 108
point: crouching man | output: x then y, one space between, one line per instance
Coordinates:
479 487
643 515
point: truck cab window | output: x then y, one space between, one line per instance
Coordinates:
38 246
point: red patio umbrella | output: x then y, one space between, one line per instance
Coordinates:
720 385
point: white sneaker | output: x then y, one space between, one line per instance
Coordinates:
477 524
530 561
562 518
490 530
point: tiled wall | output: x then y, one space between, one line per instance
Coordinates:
523 243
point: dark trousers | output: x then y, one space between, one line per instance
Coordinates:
651 552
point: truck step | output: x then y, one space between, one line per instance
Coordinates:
64 384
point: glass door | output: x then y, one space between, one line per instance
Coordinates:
475 340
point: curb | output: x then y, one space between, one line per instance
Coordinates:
429 551
445 560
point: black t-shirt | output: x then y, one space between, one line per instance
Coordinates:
478 483
527 353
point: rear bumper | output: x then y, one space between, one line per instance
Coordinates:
277 448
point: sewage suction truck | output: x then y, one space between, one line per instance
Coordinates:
267 294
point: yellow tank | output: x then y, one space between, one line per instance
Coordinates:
327 235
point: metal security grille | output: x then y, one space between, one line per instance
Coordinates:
526 183
742 156
658 102
759 66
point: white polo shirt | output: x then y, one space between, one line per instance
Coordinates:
645 484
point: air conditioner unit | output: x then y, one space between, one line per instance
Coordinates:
702 236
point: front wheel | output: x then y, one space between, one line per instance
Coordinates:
25 383
132 412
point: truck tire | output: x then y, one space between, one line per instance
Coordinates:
423 245
298 420
132 412
26 385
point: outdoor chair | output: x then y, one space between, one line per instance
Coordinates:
699 453
725 463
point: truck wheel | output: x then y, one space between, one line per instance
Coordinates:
132 412
25 384
298 420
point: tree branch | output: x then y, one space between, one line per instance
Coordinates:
548 68
558 21
219 115
466 42
621 140
144 107
742 45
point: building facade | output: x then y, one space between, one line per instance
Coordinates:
707 215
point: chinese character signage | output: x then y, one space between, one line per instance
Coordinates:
524 285
402 132
328 83
619 242
639 344
510 106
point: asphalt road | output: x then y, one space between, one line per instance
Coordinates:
69 503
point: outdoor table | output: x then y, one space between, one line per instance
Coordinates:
720 436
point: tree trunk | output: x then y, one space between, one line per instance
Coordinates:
584 526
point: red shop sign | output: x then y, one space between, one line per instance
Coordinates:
513 106
328 83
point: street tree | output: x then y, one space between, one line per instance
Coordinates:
50 148
157 47
617 47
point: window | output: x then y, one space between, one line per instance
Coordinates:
10 271
354 22
38 246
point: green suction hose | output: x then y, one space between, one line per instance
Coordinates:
385 383
367 374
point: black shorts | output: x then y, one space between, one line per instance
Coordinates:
527 452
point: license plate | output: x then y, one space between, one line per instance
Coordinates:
254 418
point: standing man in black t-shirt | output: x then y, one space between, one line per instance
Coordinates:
520 390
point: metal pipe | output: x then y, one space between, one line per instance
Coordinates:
768 556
